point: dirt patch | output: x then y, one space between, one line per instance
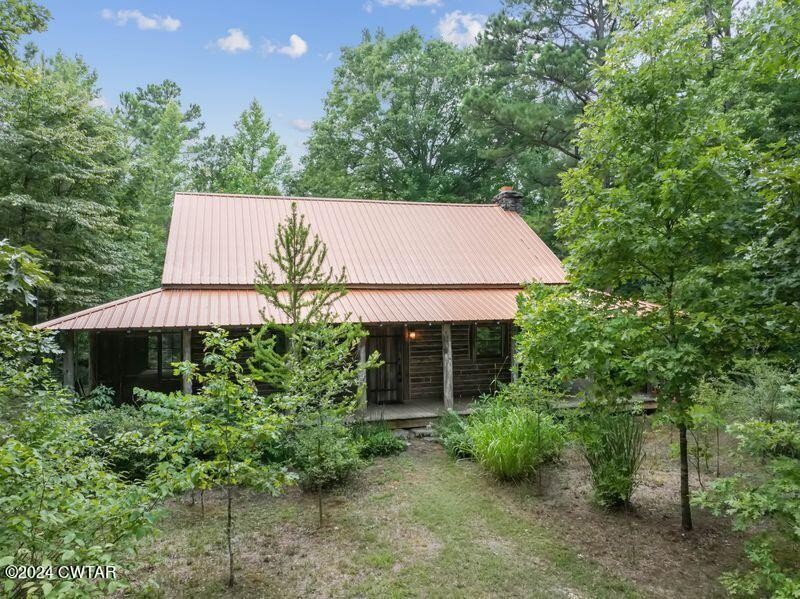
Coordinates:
645 543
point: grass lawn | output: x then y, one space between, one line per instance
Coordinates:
421 525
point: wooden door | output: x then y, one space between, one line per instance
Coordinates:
385 383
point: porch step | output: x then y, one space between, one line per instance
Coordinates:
423 433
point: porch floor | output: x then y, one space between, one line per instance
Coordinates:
412 410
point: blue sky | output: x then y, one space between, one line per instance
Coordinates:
223 54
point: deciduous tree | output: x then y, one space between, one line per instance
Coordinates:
393 127
659 204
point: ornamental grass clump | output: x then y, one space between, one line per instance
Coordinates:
612 442
512 442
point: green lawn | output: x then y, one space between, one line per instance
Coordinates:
409 526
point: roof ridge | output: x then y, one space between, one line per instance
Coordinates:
323 199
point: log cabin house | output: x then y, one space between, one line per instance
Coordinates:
435 285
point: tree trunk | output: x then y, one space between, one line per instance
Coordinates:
686 508
230 545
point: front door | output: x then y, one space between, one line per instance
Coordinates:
385 383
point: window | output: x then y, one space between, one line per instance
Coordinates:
170 352
488 341
162 350
152 352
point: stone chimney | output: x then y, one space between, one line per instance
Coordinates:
508 199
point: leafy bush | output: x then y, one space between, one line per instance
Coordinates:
613 444
764 416
114 427
512 442
60 503
323 452
376 439
100 397
451 428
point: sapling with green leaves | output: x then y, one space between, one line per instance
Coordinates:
229 421
764 495
319 375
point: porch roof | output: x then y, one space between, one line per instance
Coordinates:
198 308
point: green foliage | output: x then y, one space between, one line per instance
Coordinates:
376 439
114 428
297 281
612 442
577 343
392 127
158 130
323 452
17 19
533 82
252 161
765 496
62 162
61 503
451 429
227 421
661 205
513 442
21 273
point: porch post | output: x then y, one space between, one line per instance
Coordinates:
92 382
186 350
447 365
362 376
69 359
513 350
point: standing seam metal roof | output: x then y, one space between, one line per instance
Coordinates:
216 240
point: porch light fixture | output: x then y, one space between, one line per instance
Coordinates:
412 334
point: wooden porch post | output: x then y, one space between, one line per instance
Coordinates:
186 350
513 350
447 365
69 359
362 376
92 382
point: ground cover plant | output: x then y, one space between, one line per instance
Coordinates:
376 439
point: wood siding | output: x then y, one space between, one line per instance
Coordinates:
474 377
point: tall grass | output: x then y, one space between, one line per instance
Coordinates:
613 444
451 428
513 441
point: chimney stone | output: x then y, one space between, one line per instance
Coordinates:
509 199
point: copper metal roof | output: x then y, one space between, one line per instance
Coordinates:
215 240
181 308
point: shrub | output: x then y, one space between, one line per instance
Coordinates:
764 419
115 429
451 428
512 442
376 439
612 442
323 452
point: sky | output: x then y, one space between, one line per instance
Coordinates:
224 54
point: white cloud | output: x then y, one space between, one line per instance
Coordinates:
152 22
410 3
235 41
301 124
295 49
99 102
368 7
327 57
461 28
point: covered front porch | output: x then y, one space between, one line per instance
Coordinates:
440 348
